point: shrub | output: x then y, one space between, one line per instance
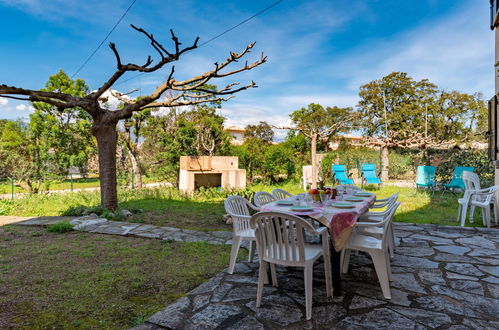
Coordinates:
61 227
478 159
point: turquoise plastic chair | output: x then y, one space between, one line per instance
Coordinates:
340 174
457 179
369 175
425 177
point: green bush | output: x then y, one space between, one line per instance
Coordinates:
61 227
478 159
400 165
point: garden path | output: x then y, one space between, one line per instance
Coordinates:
95 224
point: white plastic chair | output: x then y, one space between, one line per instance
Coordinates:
262 197
377 217
384 202
281 194
482 199
281 241
471 183
239 210
377 248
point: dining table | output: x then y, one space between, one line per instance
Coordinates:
339 215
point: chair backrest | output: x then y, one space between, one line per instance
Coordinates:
458 171
457 176
262 197
369 171
281 194
425 174
387 218
340 174
307 173
389 201
280 237
471 180
238 209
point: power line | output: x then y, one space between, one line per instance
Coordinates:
241 23
102 42
218 35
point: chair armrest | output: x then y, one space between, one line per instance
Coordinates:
367 224
254 207
322 230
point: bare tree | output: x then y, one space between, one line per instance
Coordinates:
189 92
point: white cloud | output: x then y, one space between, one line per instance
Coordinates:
3 101
24 107
455 52
21 107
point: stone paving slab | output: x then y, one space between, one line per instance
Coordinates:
449 284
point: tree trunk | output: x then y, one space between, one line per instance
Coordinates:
136 169
107 139
384 163
314 161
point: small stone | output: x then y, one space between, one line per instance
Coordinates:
359 302
247 323
493 290
480 252
172 315
199 301
220 292
447 257
419 252
414 262
407 281
464 269
454 276
81 224
476 241
433 239
278 309
325 316
381 318
429 318
431 276
208 286
453 249
467 286
211 317
126 213
437 303
492 270
491 279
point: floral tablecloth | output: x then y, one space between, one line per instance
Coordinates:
340 221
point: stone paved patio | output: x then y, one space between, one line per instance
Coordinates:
443 277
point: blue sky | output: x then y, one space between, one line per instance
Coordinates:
318 50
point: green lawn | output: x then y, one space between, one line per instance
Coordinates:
84 280
61 184
204 211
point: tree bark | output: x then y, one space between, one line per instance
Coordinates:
107 139
314 160
384 163
135 168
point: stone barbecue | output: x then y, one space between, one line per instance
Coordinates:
210 171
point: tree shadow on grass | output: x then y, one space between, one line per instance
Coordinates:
186 214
